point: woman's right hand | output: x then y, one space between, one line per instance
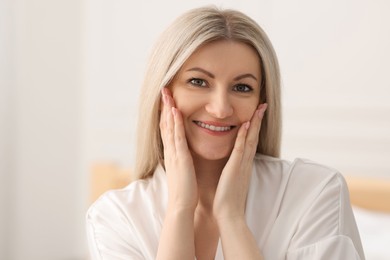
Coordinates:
179 167
178 227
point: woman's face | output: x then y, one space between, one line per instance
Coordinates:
217 90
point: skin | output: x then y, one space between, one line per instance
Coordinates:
208 171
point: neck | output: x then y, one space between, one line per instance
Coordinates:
207 175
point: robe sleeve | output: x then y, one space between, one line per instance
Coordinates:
327 229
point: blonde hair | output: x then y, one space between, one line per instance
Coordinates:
174 47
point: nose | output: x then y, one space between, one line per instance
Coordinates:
219 105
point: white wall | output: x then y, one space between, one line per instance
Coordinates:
6 122
44 182
335 62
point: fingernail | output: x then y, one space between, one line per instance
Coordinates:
247 124
262 110
174 111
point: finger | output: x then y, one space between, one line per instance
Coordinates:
180 138
170 128
166 124
252 138
163 117
162 122
239 145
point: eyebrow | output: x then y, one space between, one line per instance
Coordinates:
247 75
203 71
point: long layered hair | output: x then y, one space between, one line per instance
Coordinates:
176 44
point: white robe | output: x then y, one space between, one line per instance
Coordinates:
299 210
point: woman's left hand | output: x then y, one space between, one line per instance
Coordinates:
230 198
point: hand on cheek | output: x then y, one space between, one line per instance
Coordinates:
182 187
230 198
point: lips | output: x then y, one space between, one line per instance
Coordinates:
214 127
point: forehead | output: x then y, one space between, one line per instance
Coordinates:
224 57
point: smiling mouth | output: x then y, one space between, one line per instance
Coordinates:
214 127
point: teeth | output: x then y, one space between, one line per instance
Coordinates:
213 127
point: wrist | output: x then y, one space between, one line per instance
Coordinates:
236 222
180 211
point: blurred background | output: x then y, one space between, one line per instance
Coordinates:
70 75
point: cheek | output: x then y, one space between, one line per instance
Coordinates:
183 108
188 103
245 111
179 97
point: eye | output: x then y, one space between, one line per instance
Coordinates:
198 82
242 88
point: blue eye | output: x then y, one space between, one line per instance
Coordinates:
242 88
198 82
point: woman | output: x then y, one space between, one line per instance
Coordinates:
211 185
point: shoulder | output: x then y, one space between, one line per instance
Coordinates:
123 200
301 181
316 202
126 221
139 197
306 166
299 169
132 190
314 176
267 165
310 185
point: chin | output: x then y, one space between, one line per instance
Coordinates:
212 154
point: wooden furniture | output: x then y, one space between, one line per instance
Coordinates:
107 176
372 193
